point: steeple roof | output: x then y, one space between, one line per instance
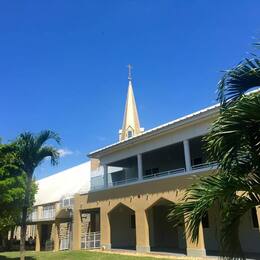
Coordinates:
131 125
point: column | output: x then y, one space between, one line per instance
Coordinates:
142 231
56 239
76 224
187 155
105 229
140 166
105 167
38 238
196 249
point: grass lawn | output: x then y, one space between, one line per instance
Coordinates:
69 255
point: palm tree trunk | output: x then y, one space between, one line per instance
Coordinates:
24 216
23 232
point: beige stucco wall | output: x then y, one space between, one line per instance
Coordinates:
139 198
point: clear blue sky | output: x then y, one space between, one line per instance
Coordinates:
63 64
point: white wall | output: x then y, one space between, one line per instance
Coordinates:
177 135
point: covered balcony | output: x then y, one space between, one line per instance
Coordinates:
187 156
165 161
198 155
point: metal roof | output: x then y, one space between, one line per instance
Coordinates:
66 183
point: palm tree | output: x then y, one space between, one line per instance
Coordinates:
32 150
234 142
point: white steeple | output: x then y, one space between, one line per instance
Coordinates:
131 125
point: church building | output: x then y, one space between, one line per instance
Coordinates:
120 198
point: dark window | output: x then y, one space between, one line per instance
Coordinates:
254 218
205 221
132 221
129 134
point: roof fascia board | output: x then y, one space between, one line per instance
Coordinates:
162 129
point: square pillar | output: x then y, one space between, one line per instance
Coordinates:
142 231
105 229
56 227
140 166
76 224
186 146
105 168
196 249
38 238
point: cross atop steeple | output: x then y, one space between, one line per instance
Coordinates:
130 67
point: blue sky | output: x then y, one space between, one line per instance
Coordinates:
63 64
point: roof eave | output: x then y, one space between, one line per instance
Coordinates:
155 131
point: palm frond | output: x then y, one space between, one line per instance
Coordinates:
238 80
218 191
44 136
32 149
45 152
234 138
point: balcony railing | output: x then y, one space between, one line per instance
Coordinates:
204 165
165 173
122 182
32 217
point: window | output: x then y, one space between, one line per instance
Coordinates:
132 221
254 218
129 134
67 202
48 212
205 220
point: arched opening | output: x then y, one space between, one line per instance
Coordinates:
122 226
162 235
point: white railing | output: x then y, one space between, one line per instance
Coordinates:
165 173
155 175
122 182
114 184
97 182
204 165
97 187
90 240
32 217
65 243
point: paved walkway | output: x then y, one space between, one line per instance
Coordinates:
167 255
176 256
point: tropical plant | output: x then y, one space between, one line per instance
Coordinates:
32 151
234 142
12 189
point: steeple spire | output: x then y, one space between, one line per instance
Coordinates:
131 125
129 71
